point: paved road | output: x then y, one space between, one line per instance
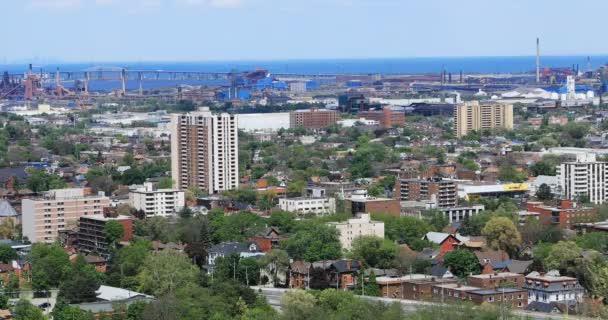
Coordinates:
273 296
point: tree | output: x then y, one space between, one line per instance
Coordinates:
501 233
295 188
49 266
374 251
298 305
64 311
12 285
314 242
196 235
597 241
25 310
284 220
104 184
113 230
165 183
564 256
7 253
245 195
126 262
234 267
544 192
38 180
507 173
436 218
408 230
461 262
236 227
81 282
165 271
275 262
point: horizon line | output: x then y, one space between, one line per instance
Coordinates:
56 61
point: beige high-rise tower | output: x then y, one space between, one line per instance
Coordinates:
204 151
476 116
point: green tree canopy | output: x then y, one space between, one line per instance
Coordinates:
501 233
165 271
81 282
374 251
313 242
7 253
461 262
113 231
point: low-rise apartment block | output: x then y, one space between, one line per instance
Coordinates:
564 215
361 202
456 214
43 217
410 287
313 118
386 117
361 226
443 191
91 237
305 205
157 202
496 280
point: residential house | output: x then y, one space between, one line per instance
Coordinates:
268 239
243 249
550 288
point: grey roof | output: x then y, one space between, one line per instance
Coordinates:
520 266
17 172
230 247
438 237
6 210
107 293
495 291
438 270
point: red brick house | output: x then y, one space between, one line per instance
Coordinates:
268 239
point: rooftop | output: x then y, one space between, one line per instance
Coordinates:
108 293
101 217
496 291
495 275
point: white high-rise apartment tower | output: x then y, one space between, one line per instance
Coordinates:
204 151
583 177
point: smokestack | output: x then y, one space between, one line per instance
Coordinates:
460 76
450 77
537 60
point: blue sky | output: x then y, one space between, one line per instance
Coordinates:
201 30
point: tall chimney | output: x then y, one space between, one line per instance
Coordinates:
537 60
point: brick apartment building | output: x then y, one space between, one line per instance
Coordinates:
44 217
386 117
564 215
517 298
411 287
443 191
313 118
91 237
495 280
362 203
